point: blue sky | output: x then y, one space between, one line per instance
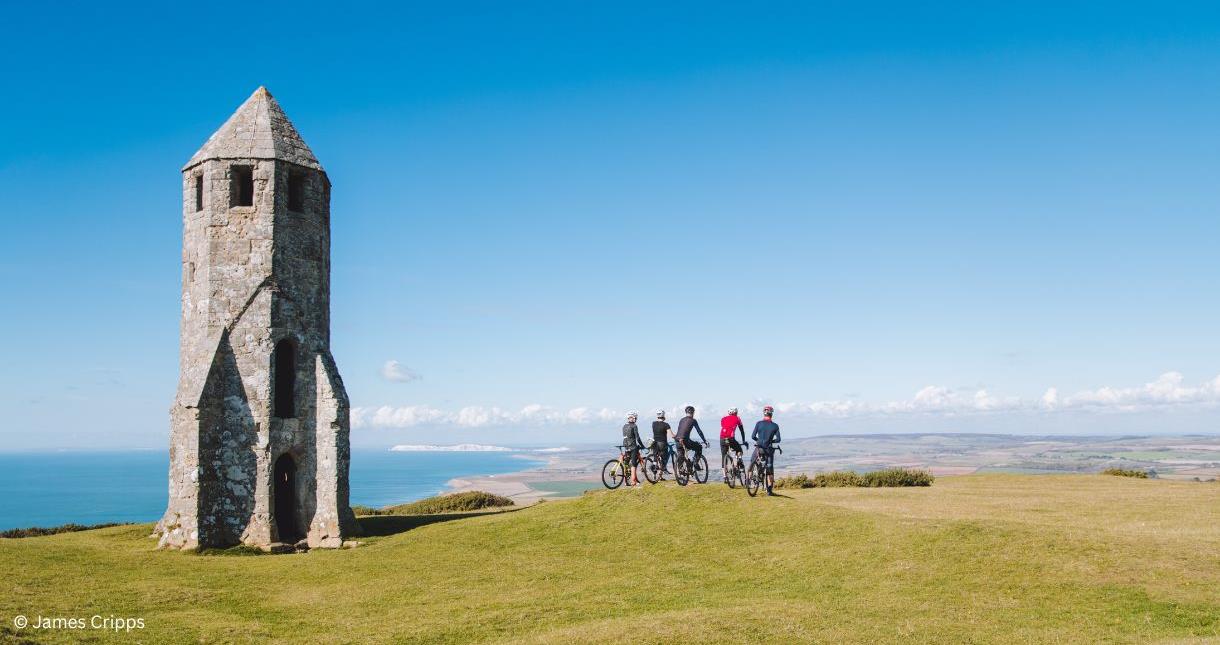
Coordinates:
882 217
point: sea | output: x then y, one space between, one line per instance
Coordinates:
50 489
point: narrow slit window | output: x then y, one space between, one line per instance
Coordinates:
241 188
199 192
296 192
284 365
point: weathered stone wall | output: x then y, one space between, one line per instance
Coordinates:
253 276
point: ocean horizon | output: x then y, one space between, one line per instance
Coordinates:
53 488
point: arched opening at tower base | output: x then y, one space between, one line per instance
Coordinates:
286 499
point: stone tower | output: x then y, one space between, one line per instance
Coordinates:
259 427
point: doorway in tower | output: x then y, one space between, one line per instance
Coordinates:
286 499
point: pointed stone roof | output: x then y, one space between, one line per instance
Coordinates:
259 129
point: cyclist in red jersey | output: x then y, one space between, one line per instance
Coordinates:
729 425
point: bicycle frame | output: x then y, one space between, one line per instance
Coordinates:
756 473
617 472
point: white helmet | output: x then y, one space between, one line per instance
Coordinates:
660 414
732 410
631 416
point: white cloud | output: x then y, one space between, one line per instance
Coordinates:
397 372
475 416
400 417
1168 390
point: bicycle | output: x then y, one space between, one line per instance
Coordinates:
734 467
653 465
756 475
617 471
685 466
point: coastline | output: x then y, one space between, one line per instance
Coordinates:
528 486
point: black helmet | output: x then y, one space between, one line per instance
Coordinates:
690 409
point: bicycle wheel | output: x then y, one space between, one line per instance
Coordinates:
612 474
701 469
753 479
652 471
681 472
741 473
731 475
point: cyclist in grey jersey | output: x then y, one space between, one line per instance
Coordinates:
631 446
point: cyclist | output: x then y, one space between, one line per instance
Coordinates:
729 425
661 432
632 445
766 436
683 440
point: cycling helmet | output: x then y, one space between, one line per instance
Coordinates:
690 409
660 414
632 416
768 411
732 410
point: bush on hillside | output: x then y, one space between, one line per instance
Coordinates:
893 477
837 479
38 531
794 481
1126 472
890 477
453 502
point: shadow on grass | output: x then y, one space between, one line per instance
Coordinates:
383 525
10 637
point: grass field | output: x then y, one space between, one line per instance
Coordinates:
990 558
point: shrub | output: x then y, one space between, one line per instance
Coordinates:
893 477
453 502
38 531
794 481
1126 472
890 477
837 479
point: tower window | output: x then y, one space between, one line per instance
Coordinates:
241 186
199 192
296 192
284 364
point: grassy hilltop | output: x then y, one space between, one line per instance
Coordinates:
983 558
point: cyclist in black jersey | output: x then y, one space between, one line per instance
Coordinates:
766 437
661 432
683 440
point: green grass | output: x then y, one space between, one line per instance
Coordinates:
565 488
993 558
450 503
